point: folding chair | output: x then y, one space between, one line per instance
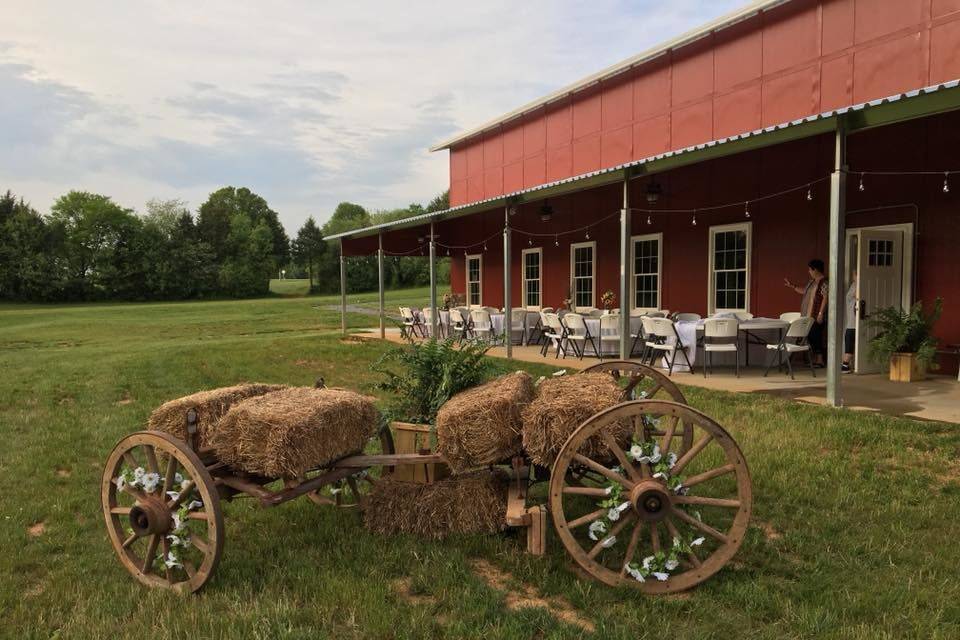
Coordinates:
578 335
790 316
793 341
555 333
723 335
663 330
428 323
518 324
609 332
482 325
459 327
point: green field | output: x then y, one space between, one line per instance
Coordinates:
855 519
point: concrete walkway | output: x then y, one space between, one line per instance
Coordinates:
937 398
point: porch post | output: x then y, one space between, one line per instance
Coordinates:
625 341
343 291
835 299
383 321
507 309
433 285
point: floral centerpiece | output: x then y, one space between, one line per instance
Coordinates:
608 299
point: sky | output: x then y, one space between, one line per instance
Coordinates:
306 103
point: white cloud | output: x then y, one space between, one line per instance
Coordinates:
307 103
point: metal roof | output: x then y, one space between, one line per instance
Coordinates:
723 22
901 106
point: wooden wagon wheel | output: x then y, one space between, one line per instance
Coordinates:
683 521
643 382
351 491
162 511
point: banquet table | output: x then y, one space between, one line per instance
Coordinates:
529 322
688 330
608 347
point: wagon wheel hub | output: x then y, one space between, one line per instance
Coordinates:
150 516
650 500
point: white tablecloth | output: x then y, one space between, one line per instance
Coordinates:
688 330
608 347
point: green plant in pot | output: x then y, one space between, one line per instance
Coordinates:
905 339
420 378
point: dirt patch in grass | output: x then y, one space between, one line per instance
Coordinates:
125 399
526 596
769 531
37 529
308 364
403 587
63 472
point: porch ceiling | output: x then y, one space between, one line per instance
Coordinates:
897 108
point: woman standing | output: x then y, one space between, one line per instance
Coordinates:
814 305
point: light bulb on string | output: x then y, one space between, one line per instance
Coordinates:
649 220
556 241
448 252
588 234
529 242
809 194
746 209
946 182
693 222
861 187
484 246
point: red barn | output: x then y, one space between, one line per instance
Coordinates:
697 175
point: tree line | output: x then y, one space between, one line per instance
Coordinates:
90 248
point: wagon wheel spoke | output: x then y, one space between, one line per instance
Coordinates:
654 537
617 528
184 493
621 457
610 474
692 453
668 436
133 537
582 520
168 572
169 475
151 553
130 460
707 502
151 456
692 481
120 511
696 524
694 561
631 547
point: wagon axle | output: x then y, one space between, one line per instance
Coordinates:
151 516
650 501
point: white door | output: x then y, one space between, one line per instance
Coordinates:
880 270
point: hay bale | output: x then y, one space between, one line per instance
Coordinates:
561 405
288 432
474 502
482 425
211 405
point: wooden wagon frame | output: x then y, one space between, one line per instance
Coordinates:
161 495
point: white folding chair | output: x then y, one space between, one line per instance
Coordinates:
596 313
793 341
481 325
641 335
578 334
687 317
663 330
459 327
723 335
790 316
583 310
743 315
609 331
409 323
428 314
518 324
555 333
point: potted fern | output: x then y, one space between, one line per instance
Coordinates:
905 340
420 378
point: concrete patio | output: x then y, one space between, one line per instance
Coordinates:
935 399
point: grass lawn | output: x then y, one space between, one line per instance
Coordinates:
855 516
290 287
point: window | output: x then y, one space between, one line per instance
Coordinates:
474 280
730 268
583 266
531 278
880 253
646 271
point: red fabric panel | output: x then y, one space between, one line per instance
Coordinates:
886 68
586 154
586 115
534 170
836 83
559 163
791 96
559 126
790 37
692 125
945 52
876 18
737 111
651 137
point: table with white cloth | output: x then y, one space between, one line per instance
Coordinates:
443 322
529 322
609 347
688 330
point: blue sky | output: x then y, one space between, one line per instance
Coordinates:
306 103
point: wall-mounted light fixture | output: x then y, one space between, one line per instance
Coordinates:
653 192
546 212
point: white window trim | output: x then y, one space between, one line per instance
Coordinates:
633 276
711 280
466 275
523 276
593 278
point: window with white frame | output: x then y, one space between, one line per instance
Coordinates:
474 280
646 271
730 267
583 268
532 259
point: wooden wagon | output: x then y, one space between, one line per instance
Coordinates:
649 493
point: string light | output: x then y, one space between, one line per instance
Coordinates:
694 221
809 194
556 241
946 182
529 242
649 219
862 188
746 209
448 252
588 234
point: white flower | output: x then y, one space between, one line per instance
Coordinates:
660 474
697 542
608 490
671 459
679 489
635 573
172 561
150 482
539 380
670 565
647 562
655 456
643 394
185 484
138 473
636 452
335 490
623 506
597 528
178 541
177 523
557 374
608 542
120 481
662 577
194 504
177 478
613 514
173 495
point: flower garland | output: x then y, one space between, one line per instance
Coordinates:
179 537
660 564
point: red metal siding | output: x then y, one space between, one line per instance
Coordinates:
799 59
